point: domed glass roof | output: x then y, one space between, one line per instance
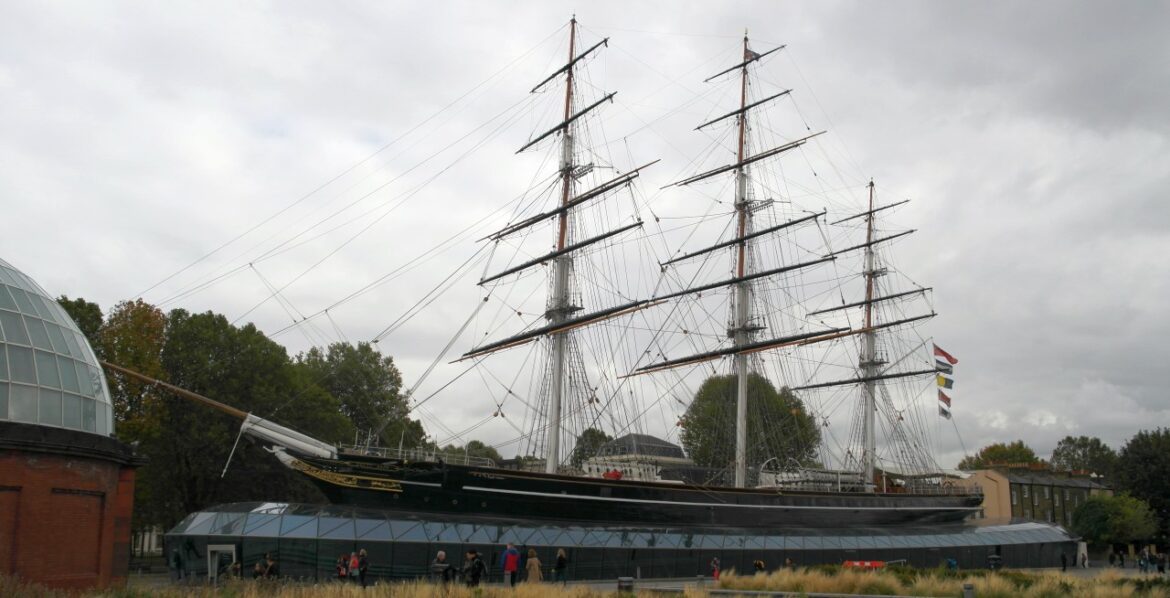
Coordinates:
48 372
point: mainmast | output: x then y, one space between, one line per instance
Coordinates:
740 331
869 360
558 306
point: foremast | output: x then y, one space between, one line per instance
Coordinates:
562 317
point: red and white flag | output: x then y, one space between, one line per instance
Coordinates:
938 352
942 396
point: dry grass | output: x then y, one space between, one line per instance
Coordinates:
1010 584
10 587
937 583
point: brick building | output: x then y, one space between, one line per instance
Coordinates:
1033 493
66 485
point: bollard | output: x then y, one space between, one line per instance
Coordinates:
625 584
968 590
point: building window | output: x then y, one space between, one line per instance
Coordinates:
1035 499
1056 498
1015 500
1048 516
1025 492
1046 493
1066 495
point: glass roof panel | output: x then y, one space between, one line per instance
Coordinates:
14 331
23 302
372 529
6 301
262 524
298 526
200 523
47 372
335 528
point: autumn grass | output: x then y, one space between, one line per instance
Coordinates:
10 587
820 579
938 582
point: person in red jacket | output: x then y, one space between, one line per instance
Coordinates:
511 562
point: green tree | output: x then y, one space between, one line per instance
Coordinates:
778 424
132 337
587 444
242 368
1106 520
1014 453
369 389
87 316
1143 470
1084 453
474 448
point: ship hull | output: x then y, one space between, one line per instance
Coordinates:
436 489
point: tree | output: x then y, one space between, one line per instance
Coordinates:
132 337
778 424
474 448
1118 519
1143 470
87 316
1015 453
242 368
588 442
369 389
1084 453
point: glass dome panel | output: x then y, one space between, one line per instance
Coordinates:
57 379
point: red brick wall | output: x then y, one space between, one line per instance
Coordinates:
63 518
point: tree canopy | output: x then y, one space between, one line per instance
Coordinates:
323 394
1000 454
87 316
1114 519
1143 470
368 387
475 448
587 444
778 425
1084 453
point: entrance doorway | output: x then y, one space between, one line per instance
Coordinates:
219 561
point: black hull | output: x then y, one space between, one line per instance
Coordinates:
463 492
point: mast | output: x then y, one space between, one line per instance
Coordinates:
558 304
869 360
740 331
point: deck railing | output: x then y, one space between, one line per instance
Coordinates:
454 458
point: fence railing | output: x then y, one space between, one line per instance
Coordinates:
454 458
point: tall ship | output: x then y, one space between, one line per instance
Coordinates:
768 324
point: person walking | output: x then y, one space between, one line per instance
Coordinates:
363 565
561 567
473 569
342 567
533 574
271 570
352 567
176 565
715 568
1161 563
1063 562
511 563
441 570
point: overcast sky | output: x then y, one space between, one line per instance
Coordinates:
136 138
